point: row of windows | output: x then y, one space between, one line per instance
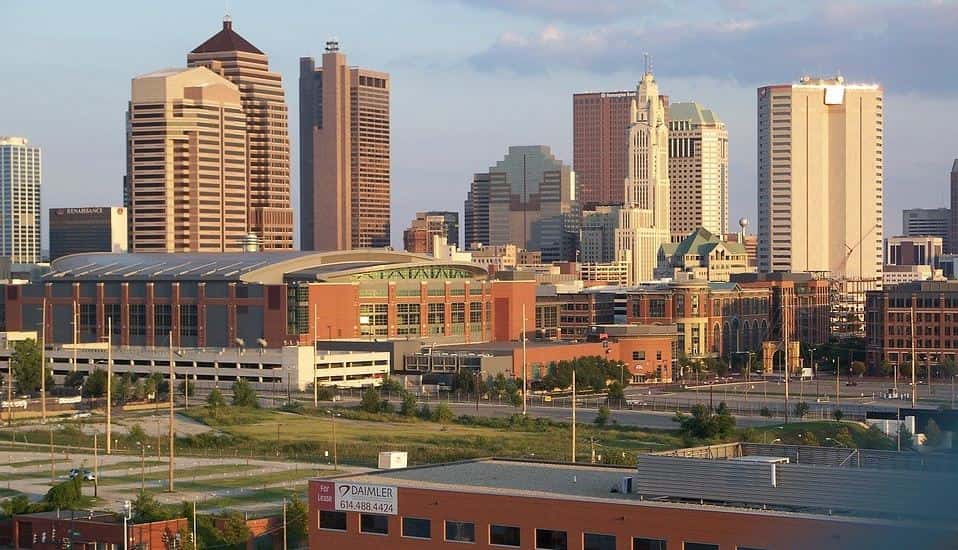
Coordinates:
509 536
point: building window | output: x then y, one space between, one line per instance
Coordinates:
504 535
416 528
548 539
188 320
679 305
137 319
460 531
593 541
407 317
113 317
699 546
648 544
87 315
375 524
373 319
657 307
475 313
437 318
638 355
162 319
658 356
459 313
335 521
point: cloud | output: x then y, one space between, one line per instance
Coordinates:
903 46
573 11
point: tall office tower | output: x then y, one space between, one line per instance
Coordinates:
600 148
19 200
923 250
952 245
526 199
644 224
418 237
344 154
451 219
698 170
931 222
820 187
267 131
186 152
597 236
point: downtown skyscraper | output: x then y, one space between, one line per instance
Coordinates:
698 170
344 154
644 220
20 178
186 187
267 131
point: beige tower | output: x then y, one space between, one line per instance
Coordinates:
344 154
820 186
264 102
186 153
644 220
698 170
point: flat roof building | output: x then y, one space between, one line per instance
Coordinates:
742 501
20 178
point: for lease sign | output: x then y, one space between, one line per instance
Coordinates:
357 497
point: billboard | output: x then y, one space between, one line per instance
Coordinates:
357 497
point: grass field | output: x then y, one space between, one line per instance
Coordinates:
826 433
359 441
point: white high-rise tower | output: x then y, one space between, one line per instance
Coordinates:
19 200
644 218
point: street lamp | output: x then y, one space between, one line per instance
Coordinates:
127 515
332 417
143 449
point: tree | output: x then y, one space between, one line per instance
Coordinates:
844 437
801 409
765 412
26 367
858 368
371 401
703 424
244 395
933 433
95 384
146 509
616 392
905 437
10 507
215 399
443 413
408 407
137 435
235 532
74 380
603 416
122 389
837 414
185 388
65 495
296 517
948 368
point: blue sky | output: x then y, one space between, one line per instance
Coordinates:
471 77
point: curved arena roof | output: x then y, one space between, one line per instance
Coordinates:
259 267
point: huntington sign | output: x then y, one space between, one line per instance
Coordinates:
357 497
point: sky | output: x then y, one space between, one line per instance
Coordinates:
472 77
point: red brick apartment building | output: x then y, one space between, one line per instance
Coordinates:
743 503
90 531
889 314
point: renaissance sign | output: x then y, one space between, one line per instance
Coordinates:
357 497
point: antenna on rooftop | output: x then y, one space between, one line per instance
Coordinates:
648 62
226 13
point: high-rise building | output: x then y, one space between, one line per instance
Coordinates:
644 225
451 219
820 178
418 237
820 187
926 222
19 200
698 170
600 148
186 185
952 246
344 154
267 131
526 199
87 229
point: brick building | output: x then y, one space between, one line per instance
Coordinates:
889 314
83 529
745 501
800 301
712 319
569 315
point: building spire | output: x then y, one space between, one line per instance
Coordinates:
648 62
227 20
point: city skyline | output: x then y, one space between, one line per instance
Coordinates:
430 118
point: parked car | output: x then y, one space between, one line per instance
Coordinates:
82 473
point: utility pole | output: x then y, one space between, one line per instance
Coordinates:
43 362
109 382
172 416
53 473
315 339
838 388
573 414
524 384
96 466
76 333
785 336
